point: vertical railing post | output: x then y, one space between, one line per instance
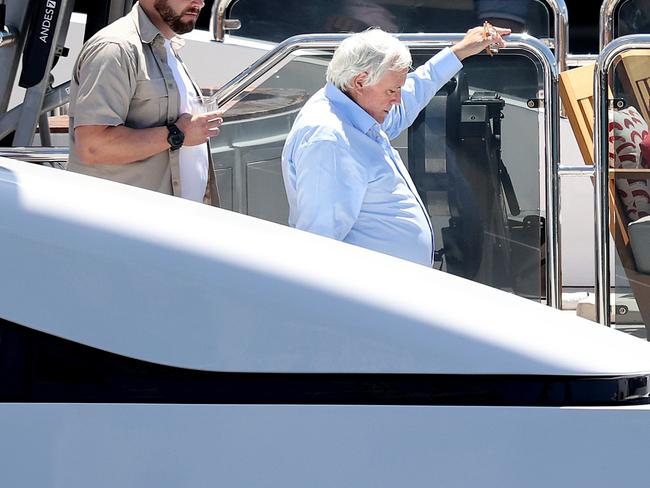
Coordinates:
606 25
553 234
601 194
561 32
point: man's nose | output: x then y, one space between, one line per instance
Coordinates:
397 98
198 3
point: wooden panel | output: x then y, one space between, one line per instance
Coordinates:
635 78
576 91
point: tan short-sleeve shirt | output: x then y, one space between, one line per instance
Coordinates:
122 78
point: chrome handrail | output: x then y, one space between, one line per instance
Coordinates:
581 170
577 60
218 19
606 26
605 60
561 26
523 42
560 18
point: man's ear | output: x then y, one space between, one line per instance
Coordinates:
359 81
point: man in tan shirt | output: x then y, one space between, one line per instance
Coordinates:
128 100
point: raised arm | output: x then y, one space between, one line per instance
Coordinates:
426 80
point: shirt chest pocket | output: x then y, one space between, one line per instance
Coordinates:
149 103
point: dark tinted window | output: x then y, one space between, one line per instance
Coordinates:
272 18
262 19
632 17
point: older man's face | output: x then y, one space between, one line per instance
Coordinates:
179 15
379 98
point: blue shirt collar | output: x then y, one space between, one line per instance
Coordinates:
348 109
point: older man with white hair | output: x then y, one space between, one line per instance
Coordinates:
343 179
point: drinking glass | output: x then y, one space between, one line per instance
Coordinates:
203 103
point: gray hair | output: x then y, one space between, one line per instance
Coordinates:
373 51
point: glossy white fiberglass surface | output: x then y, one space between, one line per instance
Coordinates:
174 282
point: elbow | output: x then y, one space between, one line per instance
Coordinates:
85 155
86 150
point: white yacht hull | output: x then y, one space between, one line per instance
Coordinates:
136 446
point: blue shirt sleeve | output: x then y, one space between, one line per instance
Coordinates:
330 188
419 89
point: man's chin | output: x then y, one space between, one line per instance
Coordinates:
382 116
183 27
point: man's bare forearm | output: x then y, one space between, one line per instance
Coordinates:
119 144
103 144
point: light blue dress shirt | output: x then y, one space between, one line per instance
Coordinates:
345 181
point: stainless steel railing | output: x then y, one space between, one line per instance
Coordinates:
533 47
606 28
606 59
561 32
218 22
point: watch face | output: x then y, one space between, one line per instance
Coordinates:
175 137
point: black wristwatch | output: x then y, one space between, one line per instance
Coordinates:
175 137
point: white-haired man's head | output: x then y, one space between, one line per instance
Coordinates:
371 67
373 52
